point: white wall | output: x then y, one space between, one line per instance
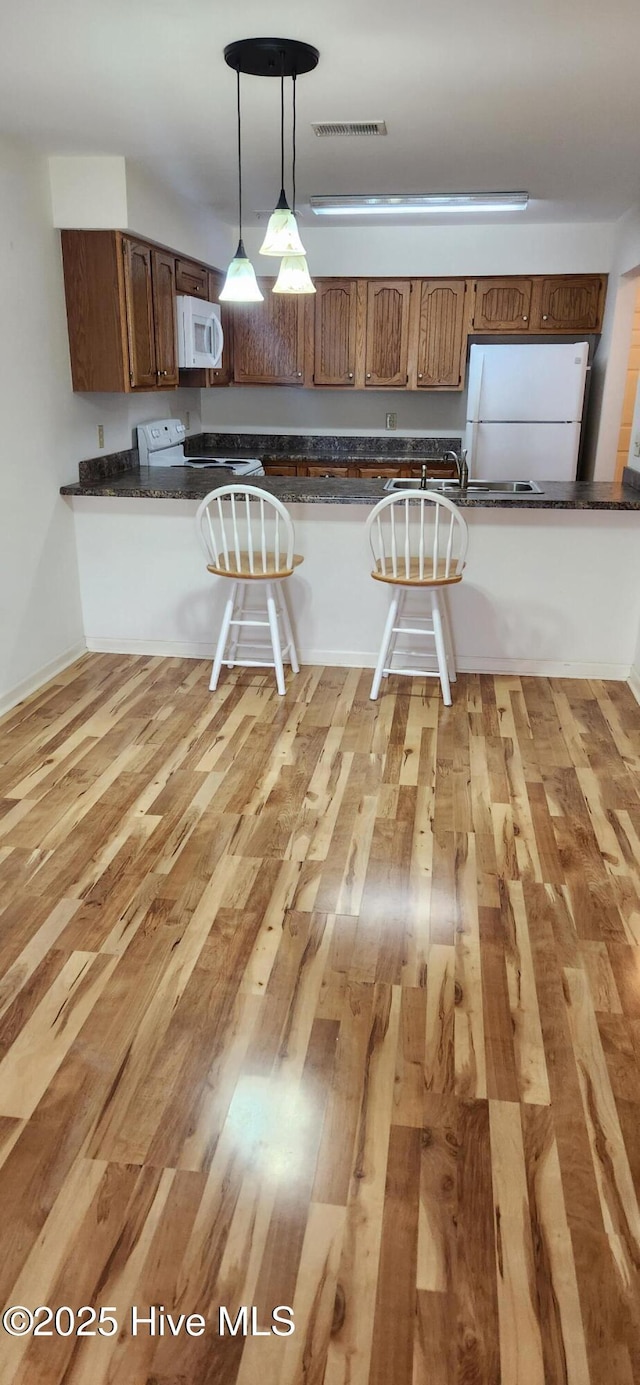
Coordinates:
49 429
252 409
514 248
610 365
89 193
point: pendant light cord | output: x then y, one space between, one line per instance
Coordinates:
282 125
239 157
293 167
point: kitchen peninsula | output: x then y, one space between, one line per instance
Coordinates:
552 584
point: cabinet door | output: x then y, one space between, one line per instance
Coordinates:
569 303
282 469
387 342
163 278
192 279
139 308
502 305
336 325
381 473
223 374
328 470
442 337
268 339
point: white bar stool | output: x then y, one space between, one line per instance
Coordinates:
418 540
248 538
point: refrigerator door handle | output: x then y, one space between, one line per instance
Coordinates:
473 408
470 446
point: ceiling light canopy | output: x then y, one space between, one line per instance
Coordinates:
419 203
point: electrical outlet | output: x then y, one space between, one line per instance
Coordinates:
101 435
187 418
391 421
636 447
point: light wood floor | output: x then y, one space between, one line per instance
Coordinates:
317 1002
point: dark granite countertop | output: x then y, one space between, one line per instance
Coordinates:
187 483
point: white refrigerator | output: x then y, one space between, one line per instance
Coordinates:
524 410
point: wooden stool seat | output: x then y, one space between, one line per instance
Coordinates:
414 579
418 540
241 571
247 535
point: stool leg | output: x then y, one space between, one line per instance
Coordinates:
392 642
440 648
448 639
386 641
222 638
237 615
288 632
275 638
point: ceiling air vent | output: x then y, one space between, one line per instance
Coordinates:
322 128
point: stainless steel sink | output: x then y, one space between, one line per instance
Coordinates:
513 489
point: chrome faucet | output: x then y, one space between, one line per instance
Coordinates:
461 468
423 477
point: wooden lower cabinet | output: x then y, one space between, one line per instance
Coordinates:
328 471
282 469
440 333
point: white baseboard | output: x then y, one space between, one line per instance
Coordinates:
634 682
338 658
42 675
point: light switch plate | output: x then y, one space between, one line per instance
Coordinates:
391 421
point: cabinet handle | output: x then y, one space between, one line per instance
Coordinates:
420 375
525 319
544 317
368 375
350 375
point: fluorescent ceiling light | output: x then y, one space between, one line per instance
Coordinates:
420 203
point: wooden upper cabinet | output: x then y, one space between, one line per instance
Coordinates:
387 339
336 330
140 325
441 333
268 339
163 279
503 305
569 303
223 374
192 279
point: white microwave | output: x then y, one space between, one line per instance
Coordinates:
200 335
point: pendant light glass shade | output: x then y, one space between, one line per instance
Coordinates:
241 285
294 276
282 236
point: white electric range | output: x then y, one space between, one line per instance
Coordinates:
161 443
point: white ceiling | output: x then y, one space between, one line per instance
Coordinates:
492 95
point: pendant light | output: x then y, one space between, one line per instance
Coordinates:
294 276
241 285
282 236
